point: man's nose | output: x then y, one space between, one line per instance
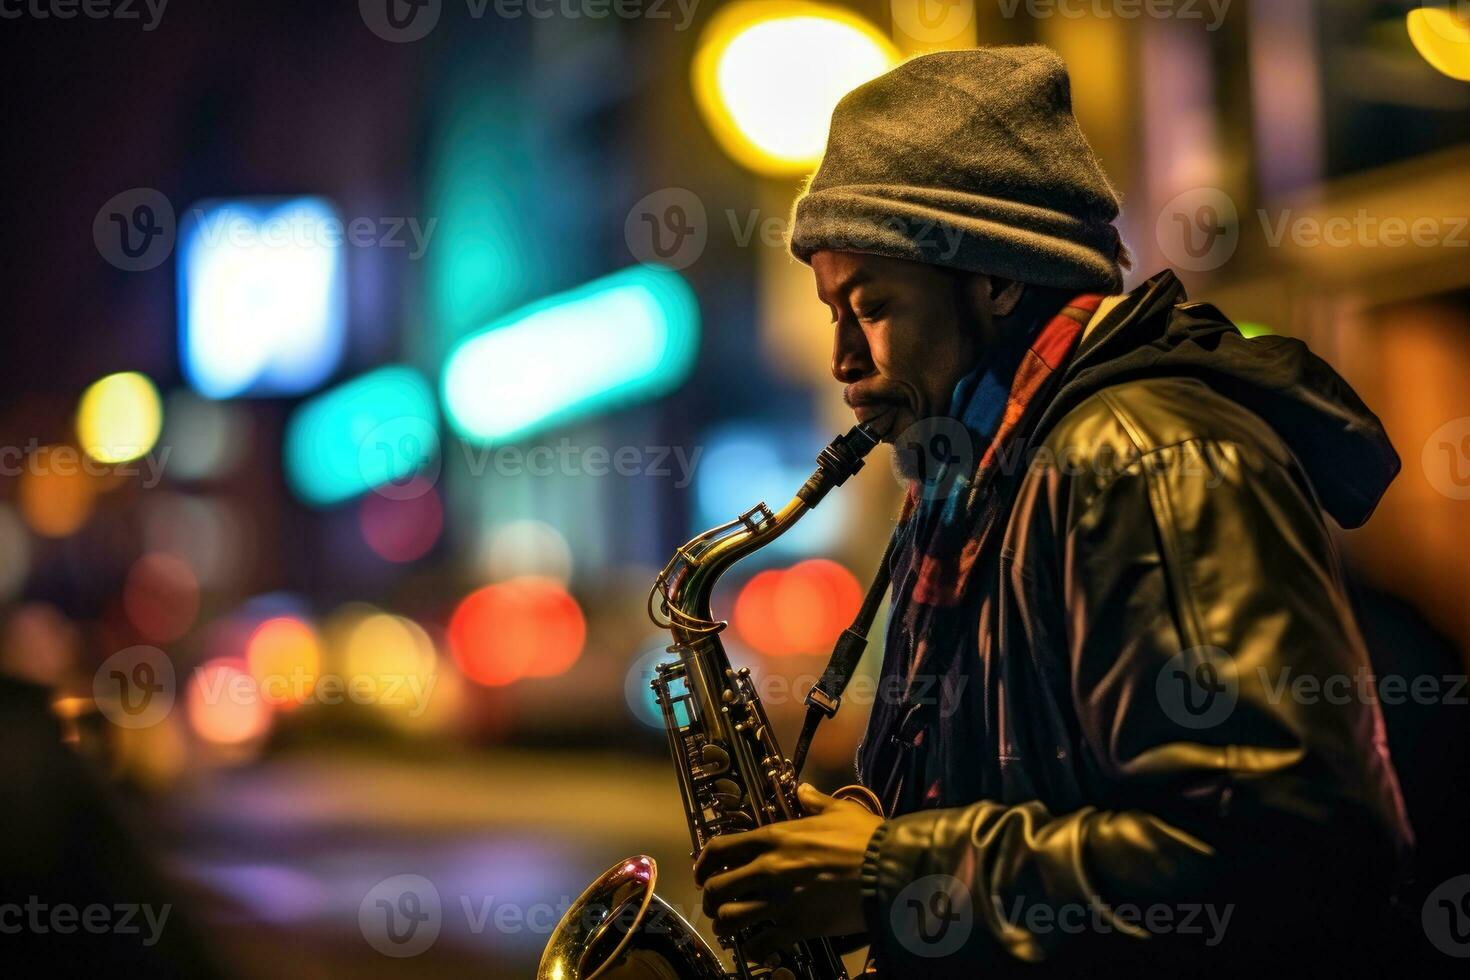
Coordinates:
851 359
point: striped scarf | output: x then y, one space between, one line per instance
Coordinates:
946 524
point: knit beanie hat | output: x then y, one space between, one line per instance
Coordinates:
968 159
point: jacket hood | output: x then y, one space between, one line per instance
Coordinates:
1340 443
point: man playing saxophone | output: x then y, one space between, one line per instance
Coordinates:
1114 547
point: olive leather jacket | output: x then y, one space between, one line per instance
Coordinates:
1162 759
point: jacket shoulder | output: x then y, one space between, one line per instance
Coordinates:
1112 428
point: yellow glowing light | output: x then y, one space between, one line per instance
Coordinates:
119 417
389 661
285 658
768 74
1442 38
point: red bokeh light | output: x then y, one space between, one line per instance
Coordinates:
526 627
161 596
800 610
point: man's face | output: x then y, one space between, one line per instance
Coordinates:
906 332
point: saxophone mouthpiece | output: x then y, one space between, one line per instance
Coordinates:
841 459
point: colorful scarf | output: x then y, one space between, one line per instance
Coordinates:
946 524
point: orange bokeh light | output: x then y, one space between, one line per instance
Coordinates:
56 493
526 627
224 705
799 610
285 658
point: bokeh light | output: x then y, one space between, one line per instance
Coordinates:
404 526
627 337
161 596
389 661
205 439
56 493
799 610
205 531
371 431
1441 35
119 418
526 627
767 76
285 658
263 296
525 547
224 706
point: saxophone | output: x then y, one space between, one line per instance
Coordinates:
732 774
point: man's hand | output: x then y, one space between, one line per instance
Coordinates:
802 875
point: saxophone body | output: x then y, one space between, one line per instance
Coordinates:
732 774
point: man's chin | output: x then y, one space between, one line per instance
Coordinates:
889 425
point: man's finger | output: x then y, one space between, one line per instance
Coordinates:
730 851
813 800
740 915
757 877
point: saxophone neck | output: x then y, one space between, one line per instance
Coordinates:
680 598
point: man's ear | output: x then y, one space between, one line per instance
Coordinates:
1005 295
999 297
